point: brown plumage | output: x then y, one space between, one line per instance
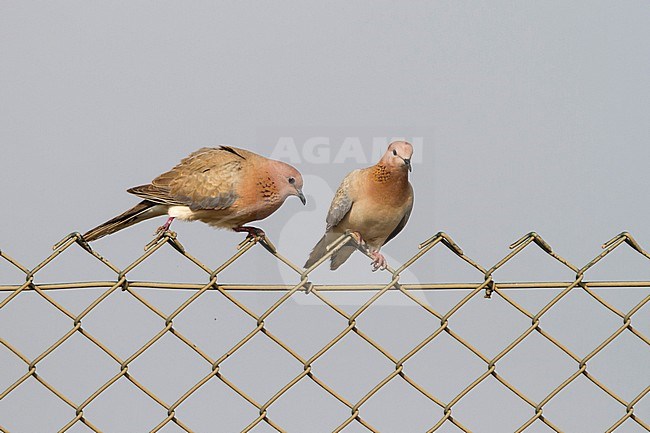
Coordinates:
374 202
223 186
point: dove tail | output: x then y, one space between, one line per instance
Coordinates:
338 258
140 212
319 250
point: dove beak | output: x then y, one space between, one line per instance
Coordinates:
301 196
407 162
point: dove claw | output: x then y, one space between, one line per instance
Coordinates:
165 227
253 232
378 261
358 239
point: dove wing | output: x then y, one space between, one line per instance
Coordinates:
206 179
342 201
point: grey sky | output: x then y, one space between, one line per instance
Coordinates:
532 116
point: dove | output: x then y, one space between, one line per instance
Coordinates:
373 204
223 186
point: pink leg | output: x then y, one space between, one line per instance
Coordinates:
378 261
165 227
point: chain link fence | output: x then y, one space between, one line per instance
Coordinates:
445 411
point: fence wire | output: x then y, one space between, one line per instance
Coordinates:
486 288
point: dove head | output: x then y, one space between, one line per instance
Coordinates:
290 181
398 155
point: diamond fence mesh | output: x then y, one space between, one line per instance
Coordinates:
445 411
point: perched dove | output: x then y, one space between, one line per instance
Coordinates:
223 186
373 204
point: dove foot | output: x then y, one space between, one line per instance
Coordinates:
253 232
358 239
378 261
163 228
257 235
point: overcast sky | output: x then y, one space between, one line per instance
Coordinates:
525 115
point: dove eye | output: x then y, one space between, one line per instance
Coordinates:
394 152
292 180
